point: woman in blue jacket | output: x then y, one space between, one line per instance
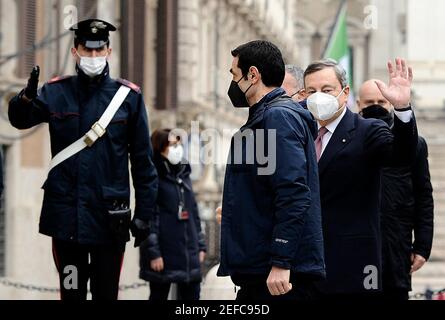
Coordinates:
175 249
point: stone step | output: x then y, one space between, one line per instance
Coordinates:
439 235
438 185
436 151
437 175
438 196
439 209
437 255
439 223
436 154
439 220
438 246
436 269
438 249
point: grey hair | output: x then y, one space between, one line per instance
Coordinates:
328 63
297 73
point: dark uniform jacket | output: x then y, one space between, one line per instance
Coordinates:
349 171
177 241
271 211
80 191
407 218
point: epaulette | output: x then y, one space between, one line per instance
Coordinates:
129 84
58 79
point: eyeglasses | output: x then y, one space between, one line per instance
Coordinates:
298 92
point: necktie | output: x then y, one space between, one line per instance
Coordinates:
319 141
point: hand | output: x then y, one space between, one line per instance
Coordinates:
202 256
140 231
33 83
219 215
157 265
417 262
278 281
398 92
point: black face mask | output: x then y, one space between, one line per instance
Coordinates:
237 96
376 111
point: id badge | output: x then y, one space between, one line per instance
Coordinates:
183 214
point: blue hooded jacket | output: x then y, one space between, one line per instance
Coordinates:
271 204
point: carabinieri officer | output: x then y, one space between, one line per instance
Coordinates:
86 202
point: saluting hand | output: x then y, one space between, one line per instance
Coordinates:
398 91
33 83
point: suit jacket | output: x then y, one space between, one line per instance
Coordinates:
349 172
407 209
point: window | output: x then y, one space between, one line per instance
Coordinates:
167 55
133 41
27 36
87 9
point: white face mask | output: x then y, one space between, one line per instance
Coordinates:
92 66
175 154
323 106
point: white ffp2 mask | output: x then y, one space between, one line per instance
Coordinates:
323 106
175 154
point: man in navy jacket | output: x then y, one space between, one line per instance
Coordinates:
271 237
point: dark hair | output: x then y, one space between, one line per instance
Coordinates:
160 140
266 57
328 63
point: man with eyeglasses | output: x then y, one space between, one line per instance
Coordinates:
293 83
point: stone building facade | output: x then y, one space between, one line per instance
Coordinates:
178 51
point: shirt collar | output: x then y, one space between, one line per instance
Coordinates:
333 125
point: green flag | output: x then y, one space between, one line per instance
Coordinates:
337 47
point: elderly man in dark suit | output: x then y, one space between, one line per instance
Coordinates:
407 205
351 152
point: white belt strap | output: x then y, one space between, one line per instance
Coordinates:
97 130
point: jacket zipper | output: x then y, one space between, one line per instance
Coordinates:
187 258
180 188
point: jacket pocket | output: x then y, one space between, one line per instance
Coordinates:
55 188
117 205
64 126
117 121
117 130
115 193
